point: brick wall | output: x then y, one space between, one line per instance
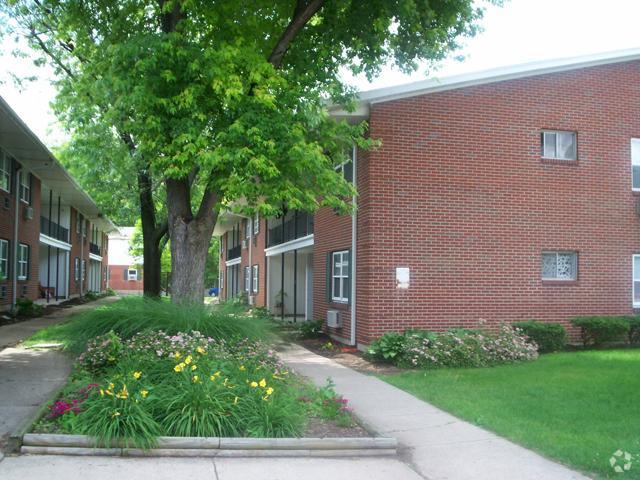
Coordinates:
459 194
117 279
28 233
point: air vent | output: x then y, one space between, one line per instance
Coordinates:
244 244
333 319
28 213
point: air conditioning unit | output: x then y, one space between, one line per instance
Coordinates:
333 319
244 244
28 213
252 300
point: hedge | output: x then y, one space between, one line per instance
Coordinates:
550 337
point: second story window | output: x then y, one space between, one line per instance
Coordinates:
4 259
25 186
247 228
132 274
256 224
5 171
635 164
559 145
559 265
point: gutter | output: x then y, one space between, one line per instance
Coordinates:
16 220
354 226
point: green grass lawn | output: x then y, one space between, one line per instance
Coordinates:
577 408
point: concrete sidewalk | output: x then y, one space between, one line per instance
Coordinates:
436 444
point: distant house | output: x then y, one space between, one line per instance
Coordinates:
494 197
53 237
125 271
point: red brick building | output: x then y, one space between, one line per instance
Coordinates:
57 248
495 197
125 271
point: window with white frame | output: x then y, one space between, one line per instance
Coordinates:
247 228
247 278
255 279
256 224
5 171
4 259
559 145
24 179
346 169
78 223
635 163
340 276
132 274
23 261
559 265
76 269
636 281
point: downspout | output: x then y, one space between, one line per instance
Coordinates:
82 264
251 298
354 225
14 290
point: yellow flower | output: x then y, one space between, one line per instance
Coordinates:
111 386
200 350
235 401
123 393
195 378
225 382
265 398
108 392
144 393
269 391
188 360
137 375
217 374
263 383
242 368
177 355
101 392
254 384
193 367
179 367
115 414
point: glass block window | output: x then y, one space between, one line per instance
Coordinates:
635 163
559 265
559 145
636 281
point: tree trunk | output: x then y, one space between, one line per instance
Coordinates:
152 234
190 237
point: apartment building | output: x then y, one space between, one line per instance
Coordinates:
494 197
125 271
53 238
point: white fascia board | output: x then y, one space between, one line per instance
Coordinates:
433 85
95 257
235 261
54 242
295 244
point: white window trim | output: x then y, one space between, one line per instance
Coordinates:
83 268
575 136
247 229
132 277
560 252
339 298
256 224
4 260
24 187
221 279
633 281
76 269
247 278
23 263
634 164
5 170
254 279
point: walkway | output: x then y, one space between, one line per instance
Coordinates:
28 376
436 444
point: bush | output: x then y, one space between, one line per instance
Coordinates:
91 296
389 347
311 329
598 330
634 330
101 352
550 337
456 348
110 292
27 308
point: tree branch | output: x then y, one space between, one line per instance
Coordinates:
46 50
301 16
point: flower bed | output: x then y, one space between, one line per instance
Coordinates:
455 348
131 391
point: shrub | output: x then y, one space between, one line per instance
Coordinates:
110 292
634 330
91 296
27 308
389 347
458 348
550 337
598 330
102 351
311 329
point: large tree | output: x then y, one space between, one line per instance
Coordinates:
225 100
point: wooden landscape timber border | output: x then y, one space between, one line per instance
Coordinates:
56 444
